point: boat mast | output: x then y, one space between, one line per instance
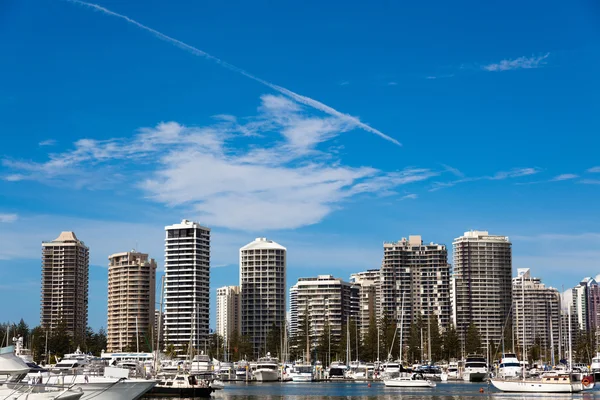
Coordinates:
137 336
570 344
401 330
551 337
348 356
162 291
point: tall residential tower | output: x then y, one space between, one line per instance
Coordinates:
187 285
482 284
131 300
228 312
262 283
65 280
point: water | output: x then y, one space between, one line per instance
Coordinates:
377 391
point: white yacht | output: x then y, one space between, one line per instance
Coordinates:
547 383
267 369
509 366
336 370
414 380
201 363
475 369
453 371
16 387
227 372
302 373
391 369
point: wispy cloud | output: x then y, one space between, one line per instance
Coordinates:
287 183
454 171
344 83
442 76
392 83
564 177
317 105
502 175
517 63
589 181
411 196
594 170
8 218
48 142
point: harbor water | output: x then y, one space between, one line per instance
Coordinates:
362 391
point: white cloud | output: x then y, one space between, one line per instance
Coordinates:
287 183
411 196
392 83
344 83
590 181
594 170
307 101
514 173
502 175
517 63
564 177
48 142
8 218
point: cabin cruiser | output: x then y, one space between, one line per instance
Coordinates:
509 366
336 370
432 372
201 363
16 385
302 373
391 369
227 372
416 379
267 369
182 384
475 369
551 382
453 371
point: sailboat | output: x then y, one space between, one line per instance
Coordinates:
550 382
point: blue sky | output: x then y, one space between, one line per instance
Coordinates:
329 127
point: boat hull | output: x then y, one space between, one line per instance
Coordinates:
187 392
408 383
474 376
266 375
99 388
531 386
301 377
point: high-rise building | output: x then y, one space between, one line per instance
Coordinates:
415 282
369 294
328 301
187 285
293 322
536 308
229 312
482 284
131 300
158 328
65 280
262 284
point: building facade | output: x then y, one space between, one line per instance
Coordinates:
65 280
325 301
229 304
415 282
482 284
131 300
536 310
187 285
263 289
369 298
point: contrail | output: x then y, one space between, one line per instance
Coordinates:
197 52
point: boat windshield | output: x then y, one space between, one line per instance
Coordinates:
304 370
476 365
510 364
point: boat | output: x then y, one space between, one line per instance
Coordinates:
17 386
267 369
227 372
337 370
302 373
453 371
509 366
432 372
415 380
181 384
391 369
547 383
201 363
475 368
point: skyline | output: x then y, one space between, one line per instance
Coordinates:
114 133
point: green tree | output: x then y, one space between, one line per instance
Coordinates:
414 342
274 340
215 345
451 344
298 348
434 336
22 329
245 349
323 344
38 344
473 341
369 342
60 342
389 344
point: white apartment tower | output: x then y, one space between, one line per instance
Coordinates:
131 300
328 301
228 311
482 284
187 285
369 298
536 308
65 280
415 281
262 284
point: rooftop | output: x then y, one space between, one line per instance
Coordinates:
263 243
